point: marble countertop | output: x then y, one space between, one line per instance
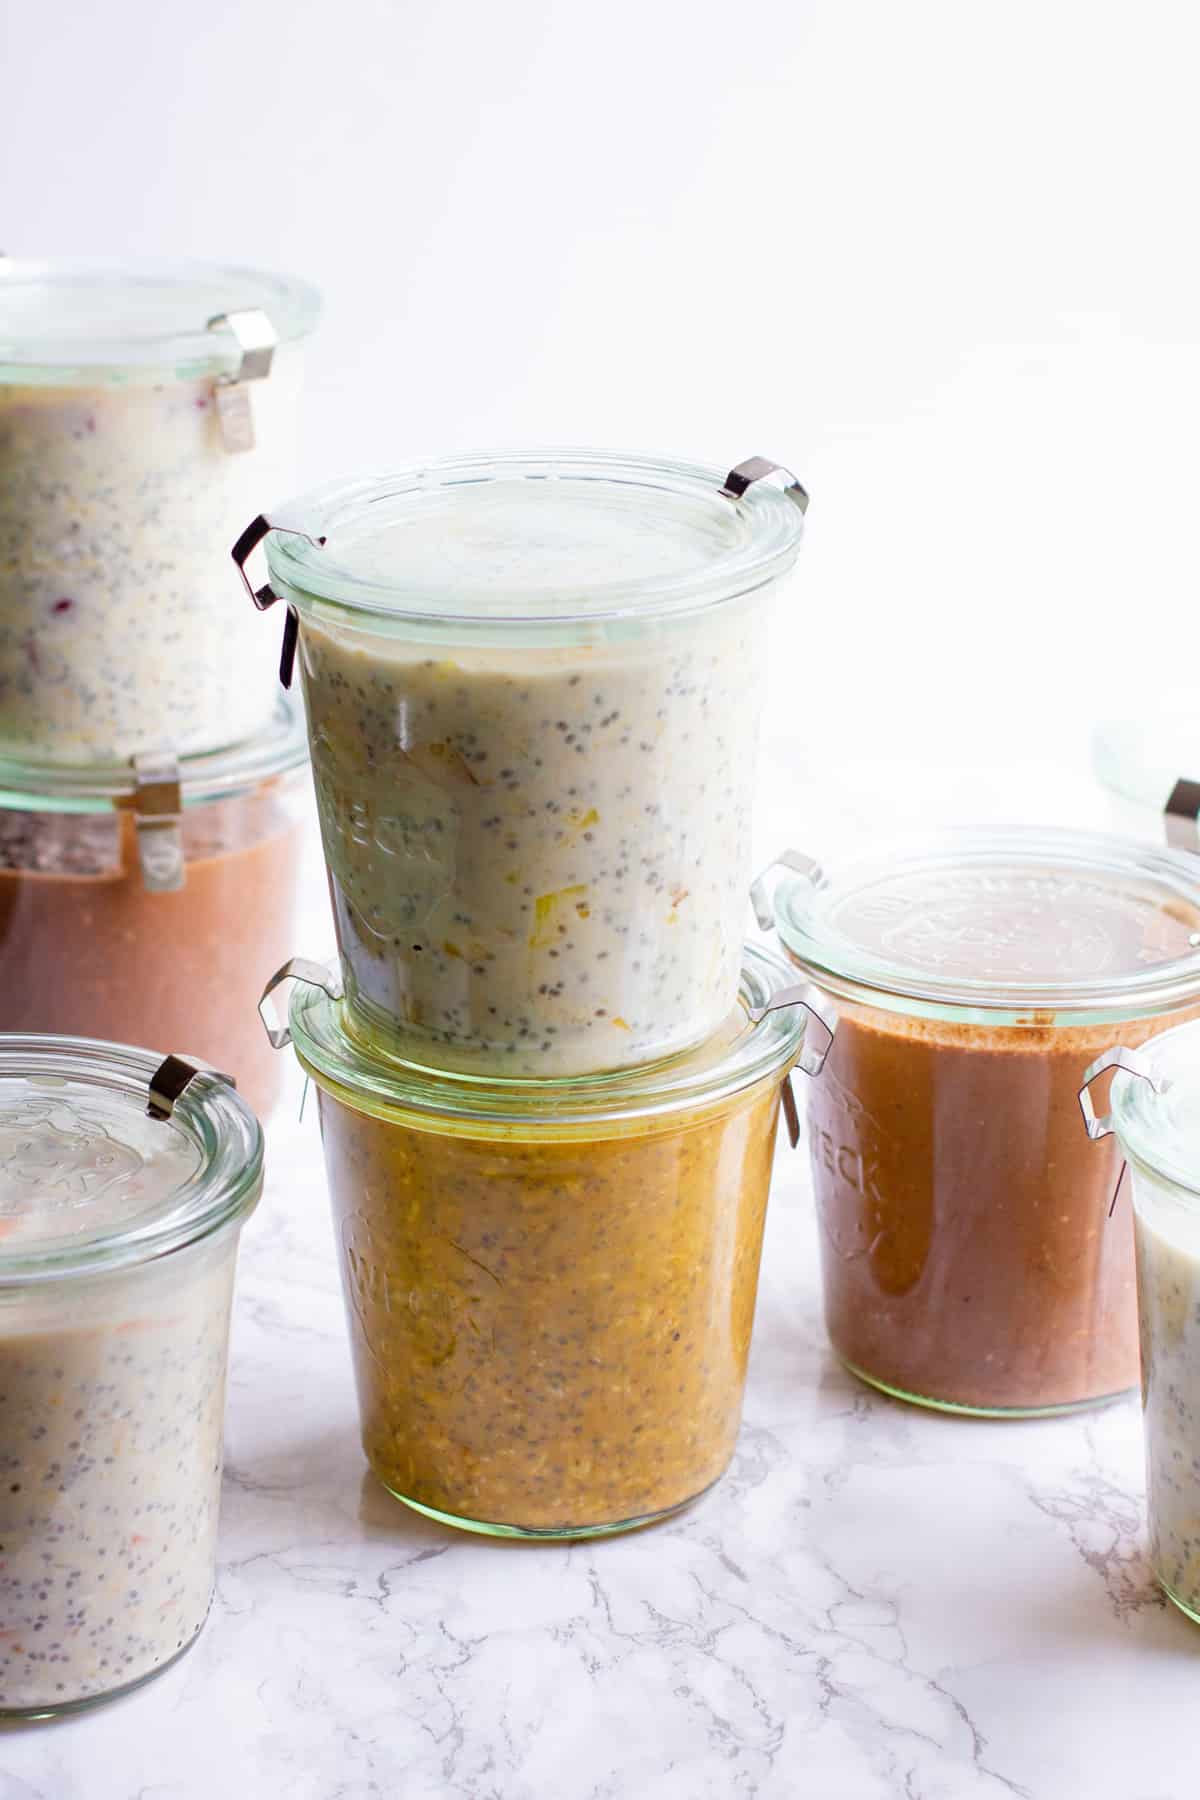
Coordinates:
875 1602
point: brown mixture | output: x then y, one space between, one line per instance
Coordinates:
552 1335
968 1254
86 951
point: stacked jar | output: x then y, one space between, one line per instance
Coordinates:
149 782
549 1069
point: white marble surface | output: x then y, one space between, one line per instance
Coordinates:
875 1602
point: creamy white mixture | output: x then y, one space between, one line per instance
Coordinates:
123 626
111 1405
1168 1257
539 857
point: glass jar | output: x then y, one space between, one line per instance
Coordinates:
969 1260
533 688
144 909
142 412
550 1286
1155 1113
118 1236
1150 772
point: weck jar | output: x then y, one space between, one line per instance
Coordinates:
550 1285
969 1259
533 688
144 407
142 901
124 1184
1155 1116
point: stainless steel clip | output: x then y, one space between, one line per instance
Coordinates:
1119 1058
171 1077
296 968
820 1013
257 339
1181 815
758 468
762 890
266 596
158 816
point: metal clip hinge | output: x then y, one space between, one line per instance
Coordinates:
1118 1058
296 968
758 468
158 816
820 1013
257 339
171 1077
790 1111
762 893
266 596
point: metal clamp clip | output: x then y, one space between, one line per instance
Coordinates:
811 1058
1119 1058
762 891
1181 815
266 596
757 468
158 814
171 1077
296 968
257 339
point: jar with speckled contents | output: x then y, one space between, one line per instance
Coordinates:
550 1286
1154 1112
118 1237
533 686
121 482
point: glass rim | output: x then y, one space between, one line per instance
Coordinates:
204 776
312 578
292 304
858 974
388 1085
210 1112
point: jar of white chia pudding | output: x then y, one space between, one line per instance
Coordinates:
1155 1113
533 685
118 1234
143 410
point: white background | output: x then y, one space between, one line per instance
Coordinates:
939 256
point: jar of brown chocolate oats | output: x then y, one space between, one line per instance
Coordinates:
969 1258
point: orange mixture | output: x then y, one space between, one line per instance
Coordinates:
551 1333
85 950
968 1252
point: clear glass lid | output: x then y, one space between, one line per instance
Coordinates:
756 1041
211 775
65 321
544 536
1158 1120
1040 925
90 1181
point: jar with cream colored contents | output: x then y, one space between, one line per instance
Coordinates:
532 686
1155 1116
969 1259
124 1184
144 407
141 902
550 1286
